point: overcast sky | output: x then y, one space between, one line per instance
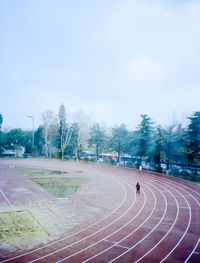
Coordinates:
116 59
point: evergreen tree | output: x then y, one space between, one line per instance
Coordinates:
158 149
144 138
173 136
1 120
193 139
15 140
119 139
28 136
39 140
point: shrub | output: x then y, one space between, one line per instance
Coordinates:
185 173
25 155
93 159
158 168
129 164
86 159
174 171
67 157
136 164
112 161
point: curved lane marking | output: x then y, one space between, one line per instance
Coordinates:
61 239
113 212
190 212
80 240
190 222
163 236
116 243
116 230
160 221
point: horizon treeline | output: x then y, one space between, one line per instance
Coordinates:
59 137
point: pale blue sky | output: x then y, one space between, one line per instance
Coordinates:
116 59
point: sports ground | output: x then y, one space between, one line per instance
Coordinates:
105 220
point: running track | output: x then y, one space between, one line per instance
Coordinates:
161 224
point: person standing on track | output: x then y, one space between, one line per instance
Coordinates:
137 188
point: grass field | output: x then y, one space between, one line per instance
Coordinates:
37 172
60 187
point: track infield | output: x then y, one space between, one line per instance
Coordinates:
105 220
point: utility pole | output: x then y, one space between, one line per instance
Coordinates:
32 117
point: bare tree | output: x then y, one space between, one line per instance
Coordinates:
65 130
81 128
50 130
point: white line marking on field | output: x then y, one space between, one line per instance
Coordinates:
109 241
193 251
106 227
155 200
166 205
190 214
6 198
188 194
161 180
67 237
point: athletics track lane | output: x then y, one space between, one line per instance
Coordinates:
162 230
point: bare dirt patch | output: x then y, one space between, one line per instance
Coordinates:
19 224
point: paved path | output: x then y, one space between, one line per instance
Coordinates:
161 224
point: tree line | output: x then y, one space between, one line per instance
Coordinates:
60 137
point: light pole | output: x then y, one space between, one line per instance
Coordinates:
32 117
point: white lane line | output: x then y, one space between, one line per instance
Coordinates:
65 247
160 221
190 216
155 202
61 239
188 194
169 231
180 187
177 214
122 215
6 198
109 241
162 180
165 234
166 178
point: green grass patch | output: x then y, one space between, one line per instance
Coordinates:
19 224
37 172
61 187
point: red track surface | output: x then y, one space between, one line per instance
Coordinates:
161 224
